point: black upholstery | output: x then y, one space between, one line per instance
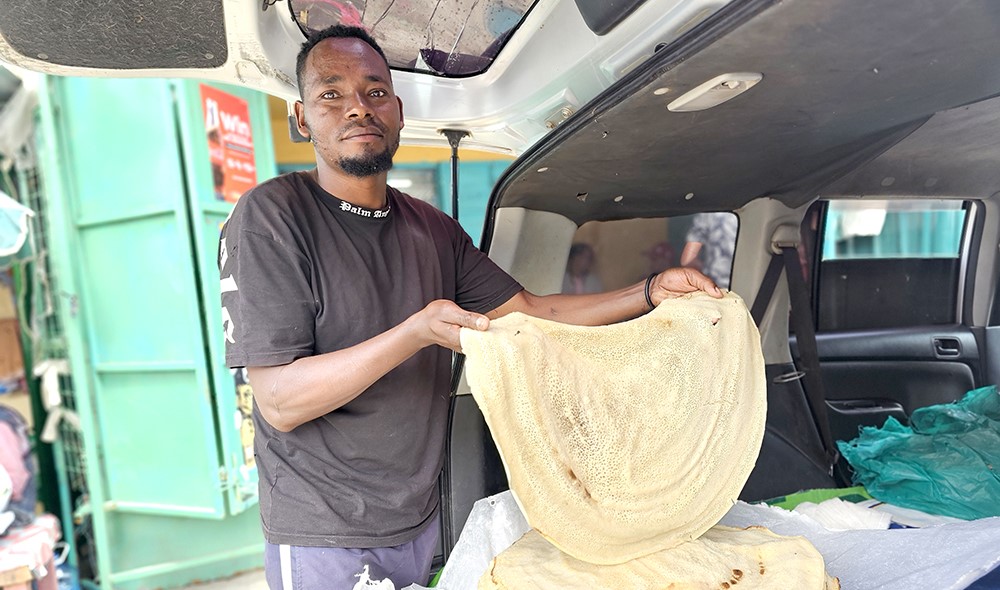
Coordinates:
791 457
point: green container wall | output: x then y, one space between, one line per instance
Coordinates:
903 234
134 226
476 180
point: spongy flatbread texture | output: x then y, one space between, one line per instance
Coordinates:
741 559
623 440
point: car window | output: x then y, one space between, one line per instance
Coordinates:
613 254
458 39
884 264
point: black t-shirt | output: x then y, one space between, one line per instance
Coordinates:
304 273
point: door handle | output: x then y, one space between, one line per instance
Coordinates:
947 347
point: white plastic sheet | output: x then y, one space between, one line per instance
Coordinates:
945 557
14 227
493 525
836 515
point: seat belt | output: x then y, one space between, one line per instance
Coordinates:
805 335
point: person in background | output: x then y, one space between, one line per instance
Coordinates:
711 242
580 277
660 256
343 298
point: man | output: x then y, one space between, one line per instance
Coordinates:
713 236
344 299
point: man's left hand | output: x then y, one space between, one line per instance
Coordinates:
675 282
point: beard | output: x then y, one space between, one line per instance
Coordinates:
367 165
370 164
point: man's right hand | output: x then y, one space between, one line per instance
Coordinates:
440 322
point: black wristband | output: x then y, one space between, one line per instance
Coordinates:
649 281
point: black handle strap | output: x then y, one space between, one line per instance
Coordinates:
766 289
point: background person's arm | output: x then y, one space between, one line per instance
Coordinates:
690 253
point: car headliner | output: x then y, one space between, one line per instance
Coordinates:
857 97
550 66
843 81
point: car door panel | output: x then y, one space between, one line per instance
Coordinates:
991 355
910 384
866 393
870 375
921 343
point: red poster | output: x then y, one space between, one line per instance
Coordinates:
230 143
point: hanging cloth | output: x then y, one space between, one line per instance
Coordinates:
14 230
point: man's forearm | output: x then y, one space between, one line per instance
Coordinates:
595 309
293 394
614 306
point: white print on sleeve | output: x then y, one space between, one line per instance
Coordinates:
227 326
228 285
223 254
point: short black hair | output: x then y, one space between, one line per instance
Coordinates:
335 31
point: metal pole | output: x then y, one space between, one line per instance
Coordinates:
454 138
447 525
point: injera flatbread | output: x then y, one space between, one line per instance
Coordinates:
623 440
740 559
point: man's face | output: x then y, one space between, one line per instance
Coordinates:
348 107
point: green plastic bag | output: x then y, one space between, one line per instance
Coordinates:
945 463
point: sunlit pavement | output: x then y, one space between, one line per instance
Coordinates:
253 580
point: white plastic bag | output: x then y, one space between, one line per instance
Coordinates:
946 557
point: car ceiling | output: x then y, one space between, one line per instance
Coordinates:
956 153
843 82
118 35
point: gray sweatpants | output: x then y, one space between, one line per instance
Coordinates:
290 567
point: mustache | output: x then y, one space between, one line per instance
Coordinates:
364 123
